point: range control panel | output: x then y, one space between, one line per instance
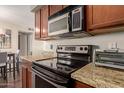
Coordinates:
85 49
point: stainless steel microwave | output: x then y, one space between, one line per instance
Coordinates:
58 25
69 20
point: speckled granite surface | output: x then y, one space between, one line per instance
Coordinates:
32 58
99 77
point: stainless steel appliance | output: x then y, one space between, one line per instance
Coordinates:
58 25
56 72
77 19
110 59
70 19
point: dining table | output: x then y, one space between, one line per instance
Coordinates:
11 55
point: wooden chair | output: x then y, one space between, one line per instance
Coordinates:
17 59
3 64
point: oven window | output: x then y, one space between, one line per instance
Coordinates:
41 83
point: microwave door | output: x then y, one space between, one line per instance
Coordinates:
58 25
77 19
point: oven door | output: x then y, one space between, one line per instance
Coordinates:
40 80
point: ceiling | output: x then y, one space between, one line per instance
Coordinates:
17 14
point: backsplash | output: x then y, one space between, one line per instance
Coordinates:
103 41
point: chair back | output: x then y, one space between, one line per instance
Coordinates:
3 57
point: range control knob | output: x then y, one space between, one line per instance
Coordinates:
85 48
81 48
61 48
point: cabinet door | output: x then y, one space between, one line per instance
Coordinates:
44 21
29 79
37 25
103 16
24 77
55 8
81 85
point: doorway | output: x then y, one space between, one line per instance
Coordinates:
25 43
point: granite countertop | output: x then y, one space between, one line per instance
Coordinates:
99 76
32 58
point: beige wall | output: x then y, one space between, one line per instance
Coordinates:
36 45
39 46
102 40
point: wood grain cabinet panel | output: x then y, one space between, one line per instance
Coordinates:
78 84
41 23
44 21
104 16
26 74
37 24
29 78
55 8
24 77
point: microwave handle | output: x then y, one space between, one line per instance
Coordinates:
70 21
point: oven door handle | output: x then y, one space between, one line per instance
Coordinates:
52 80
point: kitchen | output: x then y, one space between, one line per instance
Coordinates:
84 34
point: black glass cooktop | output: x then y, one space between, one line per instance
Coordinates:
61 65
53 64
49 62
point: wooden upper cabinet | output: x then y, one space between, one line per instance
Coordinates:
104 16
41 23
37 24
55 8
44 21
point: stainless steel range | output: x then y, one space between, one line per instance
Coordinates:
56 72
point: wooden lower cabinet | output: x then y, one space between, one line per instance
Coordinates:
29 81
78 84
26 74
